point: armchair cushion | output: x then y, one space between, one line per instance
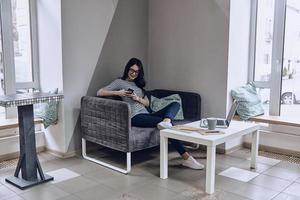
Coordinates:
157 104
191 102
143 138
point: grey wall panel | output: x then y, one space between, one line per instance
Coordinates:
85 25
127 37
188 49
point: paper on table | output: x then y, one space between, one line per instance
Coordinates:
202 131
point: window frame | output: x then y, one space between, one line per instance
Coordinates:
11 86
274 84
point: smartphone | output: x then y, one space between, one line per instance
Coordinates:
130 90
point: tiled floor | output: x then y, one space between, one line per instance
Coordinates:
278 180
239 174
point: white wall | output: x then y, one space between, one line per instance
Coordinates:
10 146
188 49
50 44
238 53
84 29
280 137
50 63
127 37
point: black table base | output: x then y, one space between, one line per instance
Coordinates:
28 164
23 184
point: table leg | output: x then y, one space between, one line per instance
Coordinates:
210 169
163 157
254 148
28 161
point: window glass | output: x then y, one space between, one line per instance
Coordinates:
22 40
2 109
290 91
263 41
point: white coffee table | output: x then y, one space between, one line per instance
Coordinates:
235 130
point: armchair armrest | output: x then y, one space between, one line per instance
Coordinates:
106 122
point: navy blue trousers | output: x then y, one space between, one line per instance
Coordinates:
150 120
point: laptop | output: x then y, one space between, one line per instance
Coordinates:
223 123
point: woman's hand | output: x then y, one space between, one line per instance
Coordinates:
123 93
135 97
141 100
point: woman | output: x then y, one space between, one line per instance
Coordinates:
131 89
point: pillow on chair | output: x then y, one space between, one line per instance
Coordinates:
47 111
249 101
157 104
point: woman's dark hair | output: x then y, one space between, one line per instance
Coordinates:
139 81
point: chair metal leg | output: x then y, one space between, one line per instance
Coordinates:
123 171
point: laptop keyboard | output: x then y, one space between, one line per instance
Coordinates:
220 122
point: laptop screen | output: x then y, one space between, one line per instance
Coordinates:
232 111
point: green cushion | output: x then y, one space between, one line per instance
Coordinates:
47 111
157 104
249 101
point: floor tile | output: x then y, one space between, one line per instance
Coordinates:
5 192
62 174
97 192
271 182
115 179
288 165
241 153
227 184
259 166
150 192
283 196
228 160
45 193
70 197
76 184
267 161
219 194
4 175
179 184
239 174
254 192
61 163
85 167
287 174
243 189
16 197
125 196
293 189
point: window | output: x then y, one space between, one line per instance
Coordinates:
290 89
2 109
274 57
264 38
18 49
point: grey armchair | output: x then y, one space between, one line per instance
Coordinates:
106 122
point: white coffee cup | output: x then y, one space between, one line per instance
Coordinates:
211 123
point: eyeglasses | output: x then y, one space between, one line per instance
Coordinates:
134 71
